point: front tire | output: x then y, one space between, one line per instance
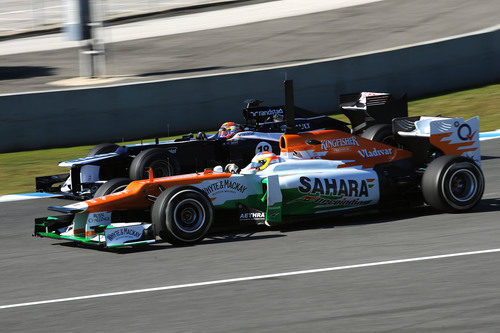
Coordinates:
103 148
182 215
161 161
112 186
453 184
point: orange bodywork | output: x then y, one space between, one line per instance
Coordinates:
327 144
135 196
342 146
450 148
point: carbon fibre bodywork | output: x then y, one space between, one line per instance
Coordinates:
263 128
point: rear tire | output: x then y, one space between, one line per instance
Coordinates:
453 184
161 161
103 148
112 186
380 133
182 215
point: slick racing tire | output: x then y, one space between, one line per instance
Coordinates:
380 133
161 161
112 186
453 184
182 215
103 148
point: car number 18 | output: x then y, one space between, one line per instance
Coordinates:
263 146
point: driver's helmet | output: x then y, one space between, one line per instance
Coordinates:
228 130
263 160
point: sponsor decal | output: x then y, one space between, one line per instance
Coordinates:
336 202
326 186
263 113
122 235
225 185
249 214
464 132
336 143
124 232
252 216
103 218
172 150
303 126
375 152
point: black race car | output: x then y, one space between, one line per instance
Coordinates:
233 144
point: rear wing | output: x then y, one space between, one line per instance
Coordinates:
255 115
365 109
445 136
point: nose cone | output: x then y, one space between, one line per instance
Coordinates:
78 207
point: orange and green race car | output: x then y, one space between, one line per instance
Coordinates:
423 159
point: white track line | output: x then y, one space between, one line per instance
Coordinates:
249 278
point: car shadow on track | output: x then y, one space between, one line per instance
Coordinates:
228 233
487 157
488 205
212 238
375 216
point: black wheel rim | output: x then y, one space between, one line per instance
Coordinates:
189 215
160 169
463 185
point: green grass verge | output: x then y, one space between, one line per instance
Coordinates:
18 170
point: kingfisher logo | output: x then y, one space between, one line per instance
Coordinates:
375 152
342 142
342 187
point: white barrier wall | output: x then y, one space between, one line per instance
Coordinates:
89 116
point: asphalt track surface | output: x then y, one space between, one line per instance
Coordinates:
449 294
346 31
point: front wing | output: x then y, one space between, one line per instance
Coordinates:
102 235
